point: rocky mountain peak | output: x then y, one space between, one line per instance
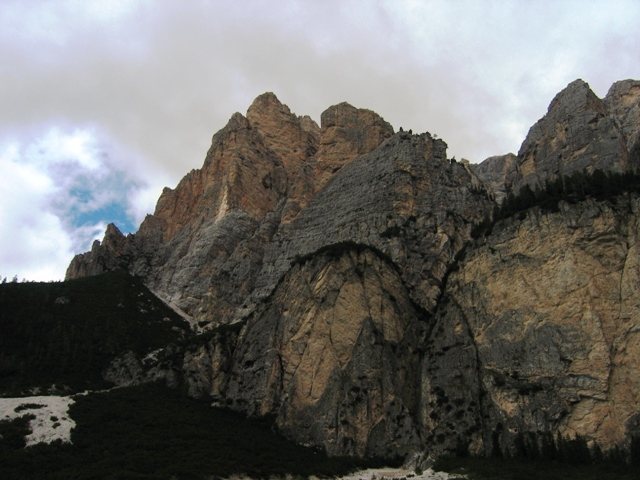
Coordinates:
344 115
347 132
266 99
267 109
498 173
309 125
577 133
236 121
292 140
113 231
575 97
282 131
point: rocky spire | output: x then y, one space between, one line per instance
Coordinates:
347 132
576 134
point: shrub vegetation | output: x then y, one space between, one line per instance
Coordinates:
66 333
573 188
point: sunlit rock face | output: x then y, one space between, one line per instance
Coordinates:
333 356
334 271
539 330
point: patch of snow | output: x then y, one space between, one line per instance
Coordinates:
51 422
152 357
399 474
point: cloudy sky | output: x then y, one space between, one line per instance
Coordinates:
102 103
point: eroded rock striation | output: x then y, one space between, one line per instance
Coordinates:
333 271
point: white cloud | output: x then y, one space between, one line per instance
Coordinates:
59 185
33 242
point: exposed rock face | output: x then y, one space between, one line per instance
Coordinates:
110 254
576 134
332 356
294 140
334 270
623 102
498 173
580 132
404 199
346 133
539 332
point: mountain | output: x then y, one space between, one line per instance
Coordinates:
339 286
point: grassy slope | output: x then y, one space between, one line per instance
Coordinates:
66 333
153 433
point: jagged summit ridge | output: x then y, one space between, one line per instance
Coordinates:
261 171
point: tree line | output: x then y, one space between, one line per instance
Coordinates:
572 188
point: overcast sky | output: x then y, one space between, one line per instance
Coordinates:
102 103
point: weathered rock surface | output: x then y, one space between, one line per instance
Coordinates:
346 133
538 335
110 254
623 102
332 356
499 174
576 134
405 199
203 247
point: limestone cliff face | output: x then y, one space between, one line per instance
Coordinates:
499 173
334 271
535 337
538 334
331 355
110 254
580 132
404 198
346 133
577 133
623 102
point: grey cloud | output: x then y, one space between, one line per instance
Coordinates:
159 80
165 78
